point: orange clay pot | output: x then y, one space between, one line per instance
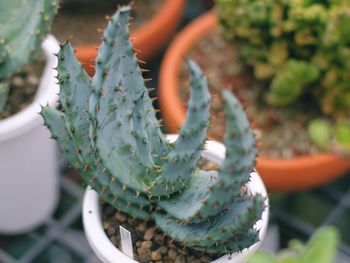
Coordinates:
148 38
278 174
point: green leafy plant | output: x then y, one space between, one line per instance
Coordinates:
300 47
23 26
109 132
321 248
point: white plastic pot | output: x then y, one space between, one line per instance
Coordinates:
29 183
108 253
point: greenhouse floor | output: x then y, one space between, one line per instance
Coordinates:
59 239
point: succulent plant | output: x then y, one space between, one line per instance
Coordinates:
301 47
23 25
110 134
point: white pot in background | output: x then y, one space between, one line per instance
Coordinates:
29 183
108 253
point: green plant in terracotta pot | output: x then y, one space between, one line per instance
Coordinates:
109 132
302 49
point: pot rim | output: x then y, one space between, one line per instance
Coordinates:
46 94
107 252
153 26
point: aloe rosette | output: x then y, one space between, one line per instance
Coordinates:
109 132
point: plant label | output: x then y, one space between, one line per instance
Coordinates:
126 242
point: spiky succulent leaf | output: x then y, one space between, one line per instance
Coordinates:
75 91
186 151
208 197
237 242
238 219
74 96
123 199
187 206
55 122
117 86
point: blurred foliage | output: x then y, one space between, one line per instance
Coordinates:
321 248
302 47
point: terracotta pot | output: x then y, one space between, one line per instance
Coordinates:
148 38
278 174
108 253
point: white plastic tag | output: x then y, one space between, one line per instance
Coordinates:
126 242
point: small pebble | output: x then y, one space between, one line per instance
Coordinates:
163 249
205 259
168 260
171 245
172 253
147 244
32 80
141 227
155 255
114 224
144 254
111 231
138 243
183 252
287 153
120 217
159 239
190 258
180 259
131 220
17 81
106 225
149 234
